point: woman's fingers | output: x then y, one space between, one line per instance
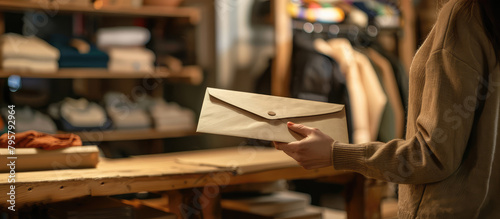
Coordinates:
314 151
301 129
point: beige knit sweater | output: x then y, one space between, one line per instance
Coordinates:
447 167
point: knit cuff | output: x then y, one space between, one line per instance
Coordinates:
348 157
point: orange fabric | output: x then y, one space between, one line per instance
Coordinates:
34 139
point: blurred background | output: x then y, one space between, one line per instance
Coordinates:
130 75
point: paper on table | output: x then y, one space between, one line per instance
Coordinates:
243 159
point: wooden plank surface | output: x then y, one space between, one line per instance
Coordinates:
92 73
51 7
136 174
243 159
127 135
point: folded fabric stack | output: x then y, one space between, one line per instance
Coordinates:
124 113
71 57
125 46
29 119
122 37
169 116
130 60
28 54
80 115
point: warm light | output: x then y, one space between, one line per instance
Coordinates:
98 4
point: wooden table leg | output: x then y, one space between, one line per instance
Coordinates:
364 198
374 192
213 209
355 198
196 202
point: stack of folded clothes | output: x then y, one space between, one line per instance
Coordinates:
124 113
130 60
122 37
22 53
125 46
79 115
170 116
30 119
78 53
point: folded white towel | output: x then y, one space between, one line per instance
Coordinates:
130 67
124 113
31 65
136 54
31 47
123 36
82 113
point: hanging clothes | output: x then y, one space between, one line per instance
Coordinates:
391 87
342 51
316 76
376 98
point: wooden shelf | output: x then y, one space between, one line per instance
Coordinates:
126 135
93 73
59 6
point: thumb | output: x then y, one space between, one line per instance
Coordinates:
299 128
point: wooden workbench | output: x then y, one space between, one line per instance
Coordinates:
186 184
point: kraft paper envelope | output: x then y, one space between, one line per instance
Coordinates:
264 117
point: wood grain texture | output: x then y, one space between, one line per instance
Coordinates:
126 135
137 174
102 73
62 6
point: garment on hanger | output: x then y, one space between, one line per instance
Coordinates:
316 76
34 139
375 96
342 51
387 130
391 87
400 73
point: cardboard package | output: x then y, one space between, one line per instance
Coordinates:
264 117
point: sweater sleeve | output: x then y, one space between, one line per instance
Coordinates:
441 130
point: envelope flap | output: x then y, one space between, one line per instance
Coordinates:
273 107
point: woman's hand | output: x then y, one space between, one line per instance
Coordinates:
314 151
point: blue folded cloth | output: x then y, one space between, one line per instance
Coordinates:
71 58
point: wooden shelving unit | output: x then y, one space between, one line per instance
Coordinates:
127 135
58 6
62 7
96 73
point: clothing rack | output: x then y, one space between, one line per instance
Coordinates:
356 34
